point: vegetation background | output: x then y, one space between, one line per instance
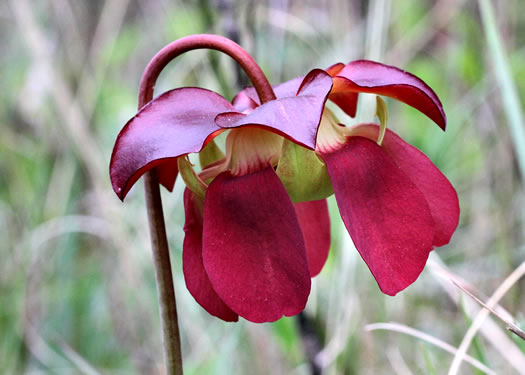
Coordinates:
77 291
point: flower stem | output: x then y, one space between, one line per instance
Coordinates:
200 41
163 275
159 242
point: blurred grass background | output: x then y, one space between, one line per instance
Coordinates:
77 291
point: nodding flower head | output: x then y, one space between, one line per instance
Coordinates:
257 226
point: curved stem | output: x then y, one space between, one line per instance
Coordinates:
159 242
200 41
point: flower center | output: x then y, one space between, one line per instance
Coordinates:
250 149
331 135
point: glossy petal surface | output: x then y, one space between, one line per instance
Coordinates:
439 193
253 248
176 123
295 117
372 77
197 280
315 223
385 213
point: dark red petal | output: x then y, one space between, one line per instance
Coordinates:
282 90
315 223
344 97
439 192
334 69
197 280
178 122
243 100
167 173
386 215
253 248
295 117
376 78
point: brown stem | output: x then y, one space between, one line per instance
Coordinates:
159 242
200 41
163 276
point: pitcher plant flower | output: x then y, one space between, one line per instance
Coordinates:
256 218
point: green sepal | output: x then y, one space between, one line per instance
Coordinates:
190 178
382 115
210 154
303 174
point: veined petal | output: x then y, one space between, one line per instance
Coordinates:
178 122
315 223
253 247
439 193
385 213
295 117
376 78
197 280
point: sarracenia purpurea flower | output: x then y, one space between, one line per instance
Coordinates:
257 226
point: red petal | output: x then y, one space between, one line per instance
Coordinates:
334 69
245 98
386 215
315 223
295 117
176 123
372 77
168 172
439 192
197 280
253 248
243 101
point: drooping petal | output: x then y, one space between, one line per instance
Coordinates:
178 122
376 78
439 193
315 223
295 117
253 248
167 173
385 213
197 280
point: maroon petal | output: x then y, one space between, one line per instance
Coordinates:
295 117
385 213
243 101
168 172
315 223
253 248
439 193
248 96
178 122
334 69
197 280
372 77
